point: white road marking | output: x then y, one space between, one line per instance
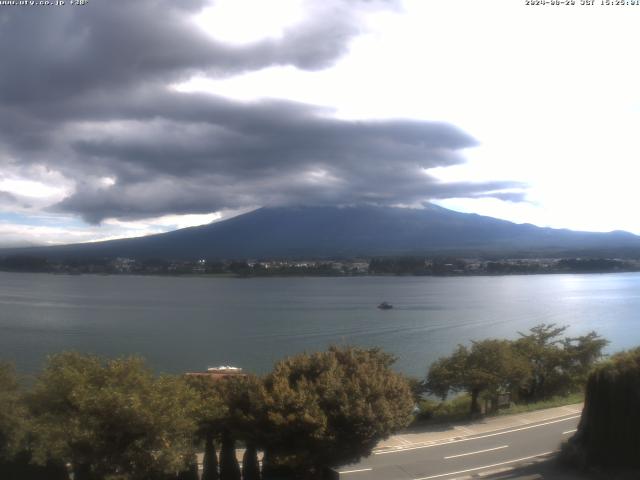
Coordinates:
570 431
355 471
483 467
479 451
400 450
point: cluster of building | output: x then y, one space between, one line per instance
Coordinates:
375 266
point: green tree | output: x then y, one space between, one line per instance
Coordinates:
210 460
538 365
332 407
250 465
229 467
229 410
14 457
209 416
489 367
244 403
607 435
112 417
417 387
191 473
542 348
446 374
558 365
581 354
12 413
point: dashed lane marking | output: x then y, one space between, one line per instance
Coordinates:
479 451
516 460
399 450
355 471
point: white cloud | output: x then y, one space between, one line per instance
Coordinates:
550 93
246 21
60 229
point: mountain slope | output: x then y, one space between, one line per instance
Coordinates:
317 232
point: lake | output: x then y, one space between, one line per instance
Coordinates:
187 324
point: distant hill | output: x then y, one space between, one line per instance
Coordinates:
334 232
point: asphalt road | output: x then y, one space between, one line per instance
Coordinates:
465 456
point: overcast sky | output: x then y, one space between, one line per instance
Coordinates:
125 118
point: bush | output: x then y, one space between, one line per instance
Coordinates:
607 435
434 411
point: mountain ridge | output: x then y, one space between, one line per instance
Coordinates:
339 232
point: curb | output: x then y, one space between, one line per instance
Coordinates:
428 443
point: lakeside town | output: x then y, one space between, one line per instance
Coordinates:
434 266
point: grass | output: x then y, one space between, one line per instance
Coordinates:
457 409
549 403
432 411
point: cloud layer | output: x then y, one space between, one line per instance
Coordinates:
84 92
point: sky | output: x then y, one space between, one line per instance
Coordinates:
122 119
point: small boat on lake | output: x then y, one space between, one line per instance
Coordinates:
385 306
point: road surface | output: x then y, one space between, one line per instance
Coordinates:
465 456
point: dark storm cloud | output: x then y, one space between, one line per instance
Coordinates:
83 91
55 53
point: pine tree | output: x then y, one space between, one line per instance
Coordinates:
229 467
250 465
56 470
210 461
191 473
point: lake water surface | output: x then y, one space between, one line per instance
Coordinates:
185 324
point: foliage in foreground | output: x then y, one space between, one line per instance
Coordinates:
12 413
116 420
537 366
333 407
432 411
607 435
111 418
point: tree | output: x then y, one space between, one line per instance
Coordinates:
332 407
210 460
490 367
445 374
12 413
209 417
607 435
541 346
229 467
558 365
192 472
14 458
535 366
243 400
250 465
112 417
228 410
582 353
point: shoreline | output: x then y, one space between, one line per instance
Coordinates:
281 275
